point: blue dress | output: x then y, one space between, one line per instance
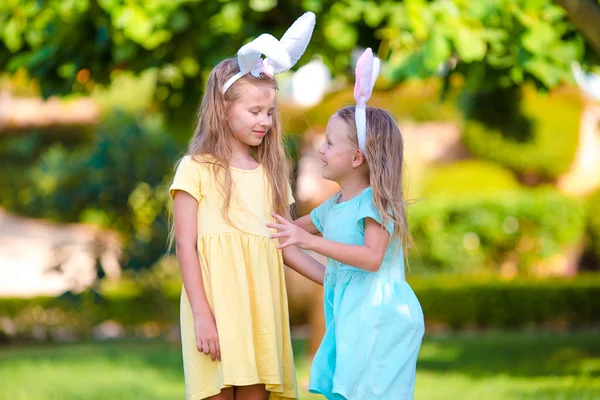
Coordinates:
374 322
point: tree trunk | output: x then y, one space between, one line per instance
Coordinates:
585 15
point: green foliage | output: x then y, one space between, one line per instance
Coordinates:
522 303
94 370
490 366
118 181
468 178
480 233
593 213
448 300
115 35
502 42
526 131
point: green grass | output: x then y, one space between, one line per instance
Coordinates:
477 367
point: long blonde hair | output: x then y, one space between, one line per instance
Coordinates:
385 159
212 137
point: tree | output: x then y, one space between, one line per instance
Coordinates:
69 46
585 15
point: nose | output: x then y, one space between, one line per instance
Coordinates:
266 120
321 150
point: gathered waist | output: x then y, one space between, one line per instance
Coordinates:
342 270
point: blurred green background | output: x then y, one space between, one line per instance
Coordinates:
500 111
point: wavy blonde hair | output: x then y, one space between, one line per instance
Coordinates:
385 159
212 137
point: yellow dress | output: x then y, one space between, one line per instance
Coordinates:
243 276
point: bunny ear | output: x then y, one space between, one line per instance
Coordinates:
296 38
265 44
280 55
249 56
376 67
367 70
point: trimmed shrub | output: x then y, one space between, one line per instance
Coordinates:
593 222
453 301
522 303
468 178
470 234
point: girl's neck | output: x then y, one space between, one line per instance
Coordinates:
241 157
352 188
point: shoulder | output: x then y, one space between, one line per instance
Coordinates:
319 214
330 202
366 198
196 162
197 158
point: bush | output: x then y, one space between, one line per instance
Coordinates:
524 130
118 181
593 222
453 301
468 234
468 178
522 303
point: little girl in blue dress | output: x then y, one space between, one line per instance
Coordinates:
374 322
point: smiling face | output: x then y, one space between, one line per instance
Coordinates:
338 152
251 115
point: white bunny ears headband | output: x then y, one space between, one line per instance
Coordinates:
281 54
367 69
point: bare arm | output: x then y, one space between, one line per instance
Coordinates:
301 262
186 233
304 264
368 256
306 224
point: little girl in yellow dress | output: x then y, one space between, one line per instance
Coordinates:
234 314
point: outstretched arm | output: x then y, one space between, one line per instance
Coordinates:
303 264
307 224
368 256
298 260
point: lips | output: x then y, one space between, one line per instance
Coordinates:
260 133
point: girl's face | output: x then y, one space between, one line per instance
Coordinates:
251 115
337 152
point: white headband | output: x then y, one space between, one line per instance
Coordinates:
281 54
367 69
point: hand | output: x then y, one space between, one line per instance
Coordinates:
289 234
207 340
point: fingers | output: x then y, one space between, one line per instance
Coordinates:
280 219
213 350
205 348
211 347
279 227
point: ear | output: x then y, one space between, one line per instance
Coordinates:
358 158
